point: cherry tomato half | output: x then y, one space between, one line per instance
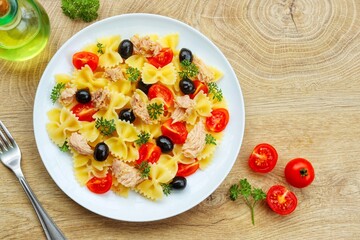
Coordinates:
100 185
80 59
149 152
299 173
177 131
199 86
263 158
160 91
85 111
162 59
281 200
218 120
185 170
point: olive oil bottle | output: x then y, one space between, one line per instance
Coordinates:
24 29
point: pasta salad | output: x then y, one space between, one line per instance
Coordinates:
137 114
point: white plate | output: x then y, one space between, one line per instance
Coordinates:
136 208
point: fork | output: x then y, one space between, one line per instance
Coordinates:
10 156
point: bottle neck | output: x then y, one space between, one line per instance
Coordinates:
9 14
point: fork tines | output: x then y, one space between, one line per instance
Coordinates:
6 140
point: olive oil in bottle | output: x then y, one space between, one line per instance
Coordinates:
24 29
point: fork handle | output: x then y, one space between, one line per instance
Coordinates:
51 230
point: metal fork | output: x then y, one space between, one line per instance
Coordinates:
10 156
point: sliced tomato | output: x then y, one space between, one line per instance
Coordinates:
100 185
218 120
185 170
199 86
80 59
85 111
162 59
281 200
263 158
149 152
299 173
177 131
160 91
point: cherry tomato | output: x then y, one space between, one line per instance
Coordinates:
149 152
299 172
218 120
281 200
199 86
185 170
162 59
100 185
160 91
85 111
175 131
80 59
263 158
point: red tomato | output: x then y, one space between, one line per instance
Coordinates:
299 172
175 131
199 86
218 120
160 91
85 111
149 152
185 170
281 200
80 59
100 185
162 59
263 158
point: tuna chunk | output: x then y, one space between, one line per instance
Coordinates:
101 98
140 109
183 108
195 141
127 175
67 95
205 74
114 74
79 144
145 46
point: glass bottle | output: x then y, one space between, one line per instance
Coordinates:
24 29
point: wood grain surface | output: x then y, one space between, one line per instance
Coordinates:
298 64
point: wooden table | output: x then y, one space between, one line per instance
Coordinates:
298 64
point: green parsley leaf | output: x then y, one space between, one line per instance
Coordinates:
250 195
215 91
64 147
56 91
85 10
166 188
143 137
100 47
155 109
209 139
133 74
106 127
189 69
144 168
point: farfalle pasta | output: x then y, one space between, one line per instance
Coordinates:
135 114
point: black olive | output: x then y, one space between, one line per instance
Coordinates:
185 54
83 96
178 182
127 115
126 48
165 144
101 152
143 87
187 86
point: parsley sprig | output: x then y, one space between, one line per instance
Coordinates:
215 91
189 69
106 127
166 188
56 91
85 10
64 147
100 47
250 195
209 139
143 137
133 74
155 109
144 168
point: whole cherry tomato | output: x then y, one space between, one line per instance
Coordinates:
299 173
263 158
80 59
218 120
100 185
281 200
162 59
